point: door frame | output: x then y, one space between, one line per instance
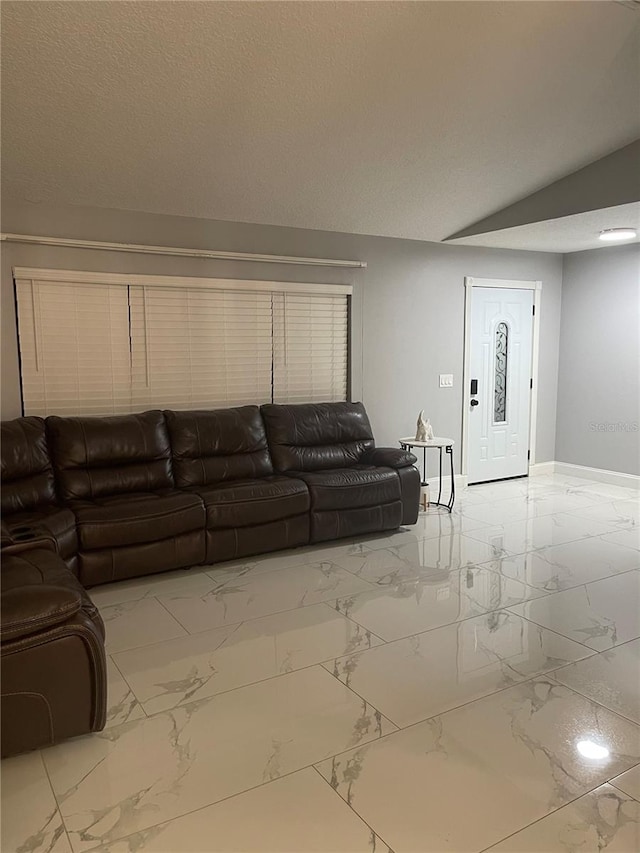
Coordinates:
536 287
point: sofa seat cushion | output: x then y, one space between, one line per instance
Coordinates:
55 521
244 503
110 522
348 488
39 591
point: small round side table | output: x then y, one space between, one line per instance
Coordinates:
445 444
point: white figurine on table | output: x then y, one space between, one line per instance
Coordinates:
424 431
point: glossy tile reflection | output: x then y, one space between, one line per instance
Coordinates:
432 600
262 594
536 533
510 758
565 566
168 674
413 679
600 614
469 683
388 566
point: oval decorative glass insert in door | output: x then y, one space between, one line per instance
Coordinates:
500 380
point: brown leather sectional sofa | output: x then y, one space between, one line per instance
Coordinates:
92 500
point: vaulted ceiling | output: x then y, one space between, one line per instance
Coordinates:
408 119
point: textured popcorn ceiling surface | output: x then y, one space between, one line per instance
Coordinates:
399 119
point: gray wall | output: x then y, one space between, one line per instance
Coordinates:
408 306
599 379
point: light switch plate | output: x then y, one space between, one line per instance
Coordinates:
446 380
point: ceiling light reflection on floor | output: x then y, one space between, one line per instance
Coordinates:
590 749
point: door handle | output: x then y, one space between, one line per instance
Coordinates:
475 403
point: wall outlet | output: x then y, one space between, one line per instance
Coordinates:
446 380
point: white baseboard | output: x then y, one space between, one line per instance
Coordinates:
459 479
540 468
600 475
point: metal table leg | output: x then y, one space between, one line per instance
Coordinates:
452 496
453 479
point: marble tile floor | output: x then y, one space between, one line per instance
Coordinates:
469 683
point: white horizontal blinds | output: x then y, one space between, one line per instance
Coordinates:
199 348
74 348
97 344
310 347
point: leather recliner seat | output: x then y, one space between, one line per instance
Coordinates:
52 646
354 487
115 475
223 457
28 487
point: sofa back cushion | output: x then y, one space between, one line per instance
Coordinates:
214 446
317 436
93 457
27 474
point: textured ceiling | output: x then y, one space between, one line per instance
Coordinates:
399 119
574 233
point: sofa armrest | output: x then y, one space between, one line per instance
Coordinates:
388 457
29 609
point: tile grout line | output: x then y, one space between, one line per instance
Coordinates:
133 693
595 701
55 800
547 593
362 699
554 811
558 634
349 806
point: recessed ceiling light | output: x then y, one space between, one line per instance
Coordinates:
613 235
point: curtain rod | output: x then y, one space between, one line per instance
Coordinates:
212 254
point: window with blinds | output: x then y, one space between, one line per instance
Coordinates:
310 343
74 348
199 349
98 344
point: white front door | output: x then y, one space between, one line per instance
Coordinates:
498 392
